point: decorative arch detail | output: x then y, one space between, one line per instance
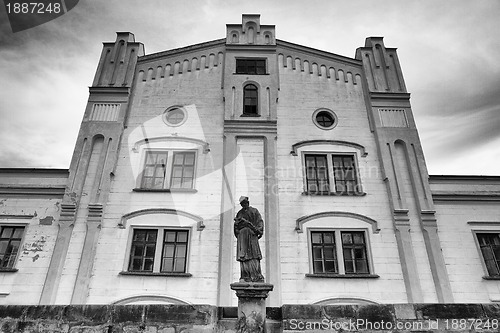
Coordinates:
234 37
268 37
150 298
344 300
301 144
204 144
168 211
304 219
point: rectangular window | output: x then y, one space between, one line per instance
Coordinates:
155 169
324 252
317 174
339 252
251 66
142 252
354 249
489 244
165 170
344 174
183 170
159 250
10 241
320 168
175 243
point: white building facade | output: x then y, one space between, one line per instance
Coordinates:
324 145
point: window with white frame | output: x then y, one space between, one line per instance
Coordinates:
331 173
489 246
339 252
10 242
168 170
159 250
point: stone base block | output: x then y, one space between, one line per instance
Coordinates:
252 289
251 305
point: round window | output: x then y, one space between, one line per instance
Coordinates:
174 116
324 119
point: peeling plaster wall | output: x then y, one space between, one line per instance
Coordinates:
30 199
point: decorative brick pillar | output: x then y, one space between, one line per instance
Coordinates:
251 305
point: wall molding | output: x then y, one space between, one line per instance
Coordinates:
344 300
306 143
199 220
204 144
16 217
465 196
150 298
32 190
486 223
304 219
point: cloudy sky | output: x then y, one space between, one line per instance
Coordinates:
448 51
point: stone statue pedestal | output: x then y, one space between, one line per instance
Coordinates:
251 305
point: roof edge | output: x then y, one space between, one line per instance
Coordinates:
326 54
32 170
193 47
463 178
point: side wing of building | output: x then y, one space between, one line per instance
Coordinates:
30 205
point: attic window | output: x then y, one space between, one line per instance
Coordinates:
251 66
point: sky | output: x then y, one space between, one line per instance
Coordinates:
448 52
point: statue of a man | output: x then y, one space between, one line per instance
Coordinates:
248 229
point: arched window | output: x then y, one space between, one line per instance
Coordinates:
250 100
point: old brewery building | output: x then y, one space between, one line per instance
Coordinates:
324 145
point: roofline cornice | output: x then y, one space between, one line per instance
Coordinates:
319 53
190 48
468 178
279 43
251 47
35 170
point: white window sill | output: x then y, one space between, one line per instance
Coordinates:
337 194
156 274
343 276
165 190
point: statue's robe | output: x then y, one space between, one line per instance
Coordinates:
247 247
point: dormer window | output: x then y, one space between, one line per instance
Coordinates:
251 66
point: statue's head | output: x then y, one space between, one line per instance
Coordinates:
244 201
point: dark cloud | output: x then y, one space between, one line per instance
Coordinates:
448 51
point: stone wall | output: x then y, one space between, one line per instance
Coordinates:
104 318
392 318
289 318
